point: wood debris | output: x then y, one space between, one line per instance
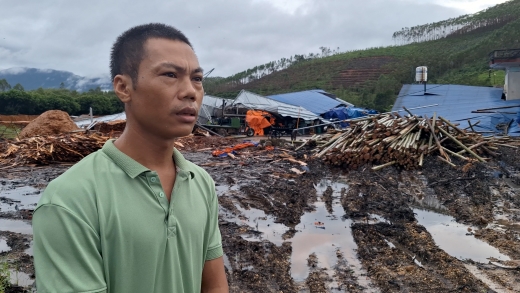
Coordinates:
390 139
43 150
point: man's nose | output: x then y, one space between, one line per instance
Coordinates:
188 90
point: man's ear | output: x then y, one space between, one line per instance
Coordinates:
123 87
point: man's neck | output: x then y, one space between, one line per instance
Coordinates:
152 152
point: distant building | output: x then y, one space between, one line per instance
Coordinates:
317 101
508 60
478 105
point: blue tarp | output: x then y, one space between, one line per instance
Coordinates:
316 101
342 113
456 102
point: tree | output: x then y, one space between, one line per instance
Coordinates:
4 85
18 87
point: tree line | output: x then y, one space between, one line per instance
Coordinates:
490 18
260 71
15 100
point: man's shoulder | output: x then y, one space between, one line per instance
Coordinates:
77 180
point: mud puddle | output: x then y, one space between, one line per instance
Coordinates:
14 197
326 236
258 221
18 226
21 279
3 246
455 238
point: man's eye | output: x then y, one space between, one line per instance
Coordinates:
198 79
170 74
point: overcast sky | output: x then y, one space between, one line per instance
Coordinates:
228 35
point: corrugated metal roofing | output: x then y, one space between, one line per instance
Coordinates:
316 101
86 122
209 106
254 101
455 103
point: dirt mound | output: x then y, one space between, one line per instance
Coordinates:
49 123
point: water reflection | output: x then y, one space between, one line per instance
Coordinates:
451 237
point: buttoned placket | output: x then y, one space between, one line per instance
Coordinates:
156 187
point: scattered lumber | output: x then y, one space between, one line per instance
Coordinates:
389 139
43 150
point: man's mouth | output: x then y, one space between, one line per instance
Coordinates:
188 111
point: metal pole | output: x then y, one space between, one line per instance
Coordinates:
208 129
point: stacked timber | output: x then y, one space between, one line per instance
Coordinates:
390 139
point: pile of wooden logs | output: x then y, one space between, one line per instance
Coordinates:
43 150
389 139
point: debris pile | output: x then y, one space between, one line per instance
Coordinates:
389 139
111 127
49 123
43 150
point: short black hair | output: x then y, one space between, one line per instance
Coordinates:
128 50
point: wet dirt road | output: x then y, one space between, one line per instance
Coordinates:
438 229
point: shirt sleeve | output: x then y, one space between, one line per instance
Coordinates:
213 232
67 252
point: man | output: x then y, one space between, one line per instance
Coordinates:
136 216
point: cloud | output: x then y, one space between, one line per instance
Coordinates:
228 35
14 70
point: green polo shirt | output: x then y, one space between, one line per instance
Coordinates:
105 225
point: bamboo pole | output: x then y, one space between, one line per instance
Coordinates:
445 161
452 126
383 166
461 145
441 150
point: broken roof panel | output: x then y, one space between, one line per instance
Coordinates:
210 104
316 101
456 102
254 101
85 123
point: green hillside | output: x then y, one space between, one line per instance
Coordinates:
455 51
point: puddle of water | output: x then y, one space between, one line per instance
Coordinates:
18 226
336 187
451 237
259 221
21 278
227 264
29 250
223 188
3 246
311 238
318 232
390 244
25 197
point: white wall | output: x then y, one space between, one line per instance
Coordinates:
512 86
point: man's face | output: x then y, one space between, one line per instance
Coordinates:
168 94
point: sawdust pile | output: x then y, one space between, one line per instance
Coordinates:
49 123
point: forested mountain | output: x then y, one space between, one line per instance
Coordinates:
455 51
33 78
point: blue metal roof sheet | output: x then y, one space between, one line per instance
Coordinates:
315 101
455 103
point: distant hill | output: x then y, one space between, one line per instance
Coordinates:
455 51
34 78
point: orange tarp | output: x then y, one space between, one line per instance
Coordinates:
217 153
258 121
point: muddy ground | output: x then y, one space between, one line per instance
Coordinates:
291 224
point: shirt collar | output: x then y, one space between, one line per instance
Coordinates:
132 168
